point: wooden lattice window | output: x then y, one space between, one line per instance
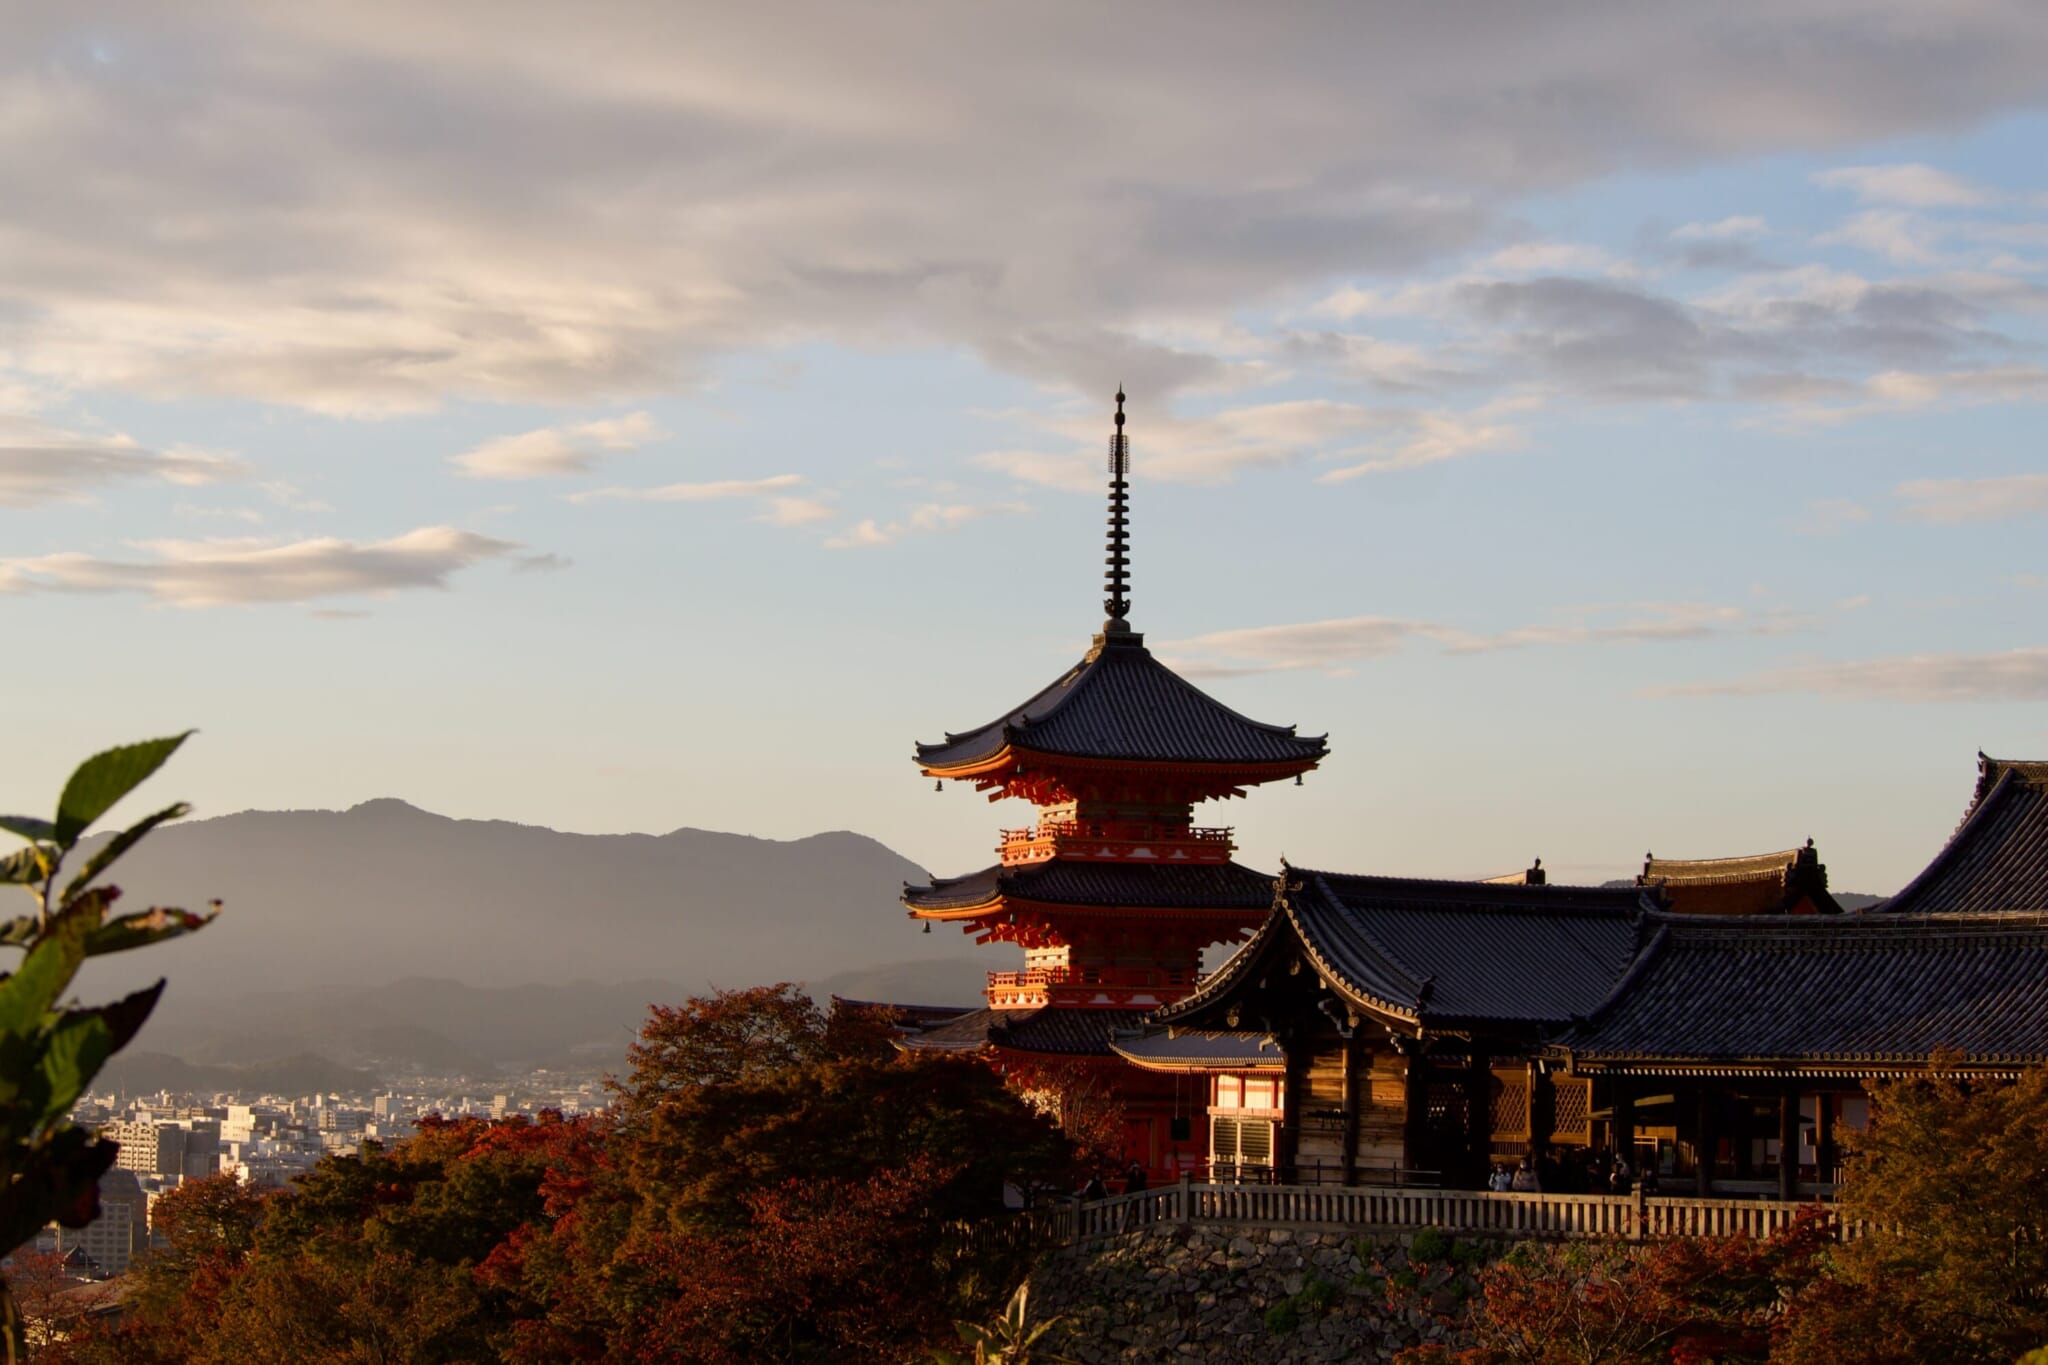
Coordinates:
1511 1105
1574 1117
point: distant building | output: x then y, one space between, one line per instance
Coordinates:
1793 882
111 1241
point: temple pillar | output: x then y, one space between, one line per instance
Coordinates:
1415 1105
1478 1115
1703 1138
1542 1109
1357 1088
1824 1136
1625 1120
1298 1057
1788 1141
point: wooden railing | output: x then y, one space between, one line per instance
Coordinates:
1620 1217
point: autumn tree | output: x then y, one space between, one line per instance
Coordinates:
1951 1183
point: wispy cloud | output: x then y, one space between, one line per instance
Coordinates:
715 490
922 520
1215 447
1826 516
552 451
208 573
797 511
1742 227
40 464
2014 675
1952 501
1332 645
1910 184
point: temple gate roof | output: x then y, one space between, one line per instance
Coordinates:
1852 992
1997 859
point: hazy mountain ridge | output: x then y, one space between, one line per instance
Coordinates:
388 936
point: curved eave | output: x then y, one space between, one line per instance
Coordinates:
1819 1064
1012 757
1226 981
1983 802
1197 1064
1000 903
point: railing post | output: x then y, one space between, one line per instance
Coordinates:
1187 1200
1642 1210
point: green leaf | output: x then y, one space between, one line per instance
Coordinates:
104 779
24 866
82 1041
121 843
46 969
27 826
153 925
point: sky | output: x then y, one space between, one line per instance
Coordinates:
1616 426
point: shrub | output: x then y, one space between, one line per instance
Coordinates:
1431 1244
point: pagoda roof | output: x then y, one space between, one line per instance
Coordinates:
1436 953
1754 884
1135 885
1045 1029
1120 703
1997 859
1859 992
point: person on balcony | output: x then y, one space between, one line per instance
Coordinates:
1525 1181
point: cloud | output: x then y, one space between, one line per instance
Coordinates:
2013 675
1740 228
556 450
383 207
208 573
1912 185
1901 238
1826 516
1215 447
714 491
796 511
922 520
1954 501
1331 644
40 464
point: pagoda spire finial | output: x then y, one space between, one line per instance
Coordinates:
1116 580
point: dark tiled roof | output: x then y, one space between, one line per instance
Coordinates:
1046 1029
1442 952
1121 703
1857 990
962 1033
1998 857
1757 884
1200 1051
1189 886
1079 1033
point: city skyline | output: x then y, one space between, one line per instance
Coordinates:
674 435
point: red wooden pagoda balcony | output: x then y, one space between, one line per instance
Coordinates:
1106 988
1116 843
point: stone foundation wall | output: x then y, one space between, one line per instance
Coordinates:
1215 1294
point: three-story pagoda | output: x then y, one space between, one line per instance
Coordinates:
1114 891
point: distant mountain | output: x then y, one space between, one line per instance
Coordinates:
385 935
1848 900
145 1073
